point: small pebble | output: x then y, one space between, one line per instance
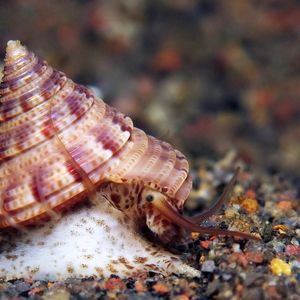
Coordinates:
22 287
181 297
140 287
272 292
240 258
281 228
208 266
295 241
291 250
280 267
296 265
236 247
212 287
205 244
231 212
226 276
60 294
256 257
278 246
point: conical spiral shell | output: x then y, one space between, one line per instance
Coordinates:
57 141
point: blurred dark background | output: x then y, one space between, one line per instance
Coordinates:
207 76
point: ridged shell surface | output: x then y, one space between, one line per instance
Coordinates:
58 142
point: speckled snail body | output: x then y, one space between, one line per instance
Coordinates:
59 144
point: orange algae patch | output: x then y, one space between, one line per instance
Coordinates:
115 284
161 288
205 244
249 204
140 287
250 194
285 205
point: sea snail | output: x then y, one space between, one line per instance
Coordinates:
60 144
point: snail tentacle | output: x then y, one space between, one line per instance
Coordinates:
218 204
160 202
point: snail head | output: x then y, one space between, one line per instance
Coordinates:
164 219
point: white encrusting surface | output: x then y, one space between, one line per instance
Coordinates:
89 241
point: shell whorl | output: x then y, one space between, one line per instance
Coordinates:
43 115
